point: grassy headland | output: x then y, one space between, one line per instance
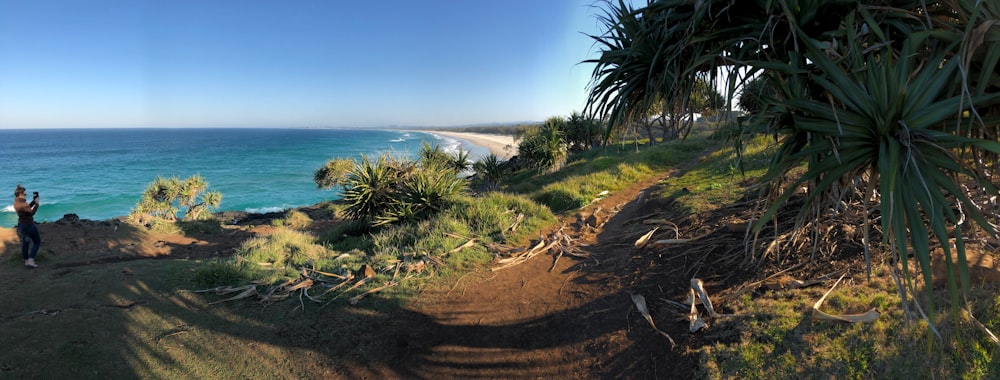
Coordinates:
314 294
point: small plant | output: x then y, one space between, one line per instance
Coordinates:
433 155
490 170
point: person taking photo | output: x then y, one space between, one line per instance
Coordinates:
26 228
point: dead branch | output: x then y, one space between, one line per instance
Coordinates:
467 244
354 300
556 261
355 286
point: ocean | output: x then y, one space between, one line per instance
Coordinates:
100 174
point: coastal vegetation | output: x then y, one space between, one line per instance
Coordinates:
402 260
164 198
409 219
866 161
888 106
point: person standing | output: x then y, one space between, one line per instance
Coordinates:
26 228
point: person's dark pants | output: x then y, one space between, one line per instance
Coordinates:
29 233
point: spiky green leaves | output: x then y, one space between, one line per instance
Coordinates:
164 197
545 148
390 190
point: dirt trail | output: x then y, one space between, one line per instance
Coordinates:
575 321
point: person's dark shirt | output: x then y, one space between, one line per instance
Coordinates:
25 211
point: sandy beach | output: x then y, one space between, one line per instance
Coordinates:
502 146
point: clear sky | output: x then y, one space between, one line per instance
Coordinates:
294 63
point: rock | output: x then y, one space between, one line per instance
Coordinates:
70 218
737 227
366 271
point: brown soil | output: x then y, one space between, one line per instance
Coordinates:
550 317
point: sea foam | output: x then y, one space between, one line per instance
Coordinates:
265 210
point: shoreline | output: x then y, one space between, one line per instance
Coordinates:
502 146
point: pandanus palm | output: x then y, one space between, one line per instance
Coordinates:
869 92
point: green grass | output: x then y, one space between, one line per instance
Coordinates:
293 219
720 178
778 339
611 168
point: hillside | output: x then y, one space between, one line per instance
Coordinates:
113 300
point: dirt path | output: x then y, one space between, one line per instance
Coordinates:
576 320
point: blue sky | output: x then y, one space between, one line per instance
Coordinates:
297 63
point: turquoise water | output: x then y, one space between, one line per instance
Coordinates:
100 174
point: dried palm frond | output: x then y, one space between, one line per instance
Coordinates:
640 304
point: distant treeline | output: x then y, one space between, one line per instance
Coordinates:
512 130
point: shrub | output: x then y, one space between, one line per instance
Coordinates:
370 188
545 148
333 173
433 155
422 194
203 227
390 190
164 198
294 219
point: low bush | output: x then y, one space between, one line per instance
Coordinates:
294 219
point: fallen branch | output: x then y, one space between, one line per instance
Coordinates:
355 286
523 258
697 292
338 286
664 242
556 261
467 244
250 291
541 243
640 303
334 275
354 300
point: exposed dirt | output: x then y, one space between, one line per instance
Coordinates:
550 317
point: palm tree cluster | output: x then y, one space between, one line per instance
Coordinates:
893 102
